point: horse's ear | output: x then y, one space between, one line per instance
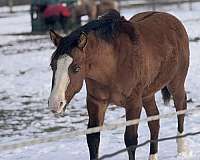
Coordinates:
55 37
82 40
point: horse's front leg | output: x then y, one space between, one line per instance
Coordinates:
133 111
96 111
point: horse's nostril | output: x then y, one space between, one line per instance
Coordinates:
53 111
57 106
61 103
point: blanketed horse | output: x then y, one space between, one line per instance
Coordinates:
123 62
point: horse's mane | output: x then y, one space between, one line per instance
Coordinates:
107 27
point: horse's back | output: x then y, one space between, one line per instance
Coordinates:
158 22
157 27
141 16
161 33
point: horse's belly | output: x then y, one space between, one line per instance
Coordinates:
162 79
117 99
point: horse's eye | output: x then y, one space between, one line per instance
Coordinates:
76 68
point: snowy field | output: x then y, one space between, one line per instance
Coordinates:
25 79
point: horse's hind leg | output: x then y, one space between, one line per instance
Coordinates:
154 126
96 112
180 101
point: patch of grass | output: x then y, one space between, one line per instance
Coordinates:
4 98
53 129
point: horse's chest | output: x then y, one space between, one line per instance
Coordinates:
112 93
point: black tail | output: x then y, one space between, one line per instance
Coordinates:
165 95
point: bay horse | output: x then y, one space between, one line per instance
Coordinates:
123 62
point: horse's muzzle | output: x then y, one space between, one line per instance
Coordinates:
57 106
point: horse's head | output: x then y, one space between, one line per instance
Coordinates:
68 72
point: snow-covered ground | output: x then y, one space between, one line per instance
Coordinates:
25 79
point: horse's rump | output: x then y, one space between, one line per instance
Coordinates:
164 47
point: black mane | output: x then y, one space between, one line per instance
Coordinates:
107 27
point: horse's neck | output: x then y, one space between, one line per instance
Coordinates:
99 60
103 58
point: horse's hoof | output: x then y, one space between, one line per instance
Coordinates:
153 157
182 147
185 155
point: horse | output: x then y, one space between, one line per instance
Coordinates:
93 9
86 7
123 62
106 5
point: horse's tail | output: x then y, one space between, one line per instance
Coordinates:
166 95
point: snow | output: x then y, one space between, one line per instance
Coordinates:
25 79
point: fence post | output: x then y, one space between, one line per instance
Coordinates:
10 4
190 4
119 3
179 3
153 5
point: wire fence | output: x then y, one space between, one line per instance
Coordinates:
47 139
147 142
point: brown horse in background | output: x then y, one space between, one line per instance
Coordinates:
124 63
106 5
86 7
93 9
